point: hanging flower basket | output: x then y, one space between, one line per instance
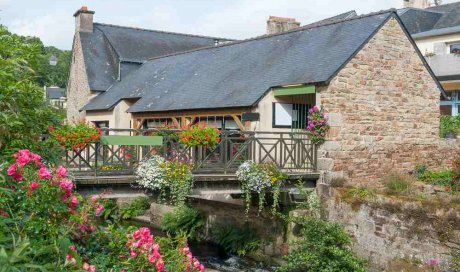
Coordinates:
317 125
200 135
76 136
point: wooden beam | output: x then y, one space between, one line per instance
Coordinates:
238 122
176 122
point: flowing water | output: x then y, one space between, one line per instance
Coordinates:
213 257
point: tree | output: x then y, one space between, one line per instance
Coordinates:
24 113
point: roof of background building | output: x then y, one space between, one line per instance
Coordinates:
55 93
431 19
238 74
109 44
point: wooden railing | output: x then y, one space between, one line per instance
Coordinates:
290 151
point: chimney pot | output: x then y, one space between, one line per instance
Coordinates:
83 20
277 24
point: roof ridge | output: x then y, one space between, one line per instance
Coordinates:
302 28
165 32
426 10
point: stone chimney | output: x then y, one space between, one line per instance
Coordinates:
421 4
280 24
83 20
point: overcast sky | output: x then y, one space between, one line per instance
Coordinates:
52 20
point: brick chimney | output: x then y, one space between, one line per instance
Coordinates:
280 24
421 4
83 20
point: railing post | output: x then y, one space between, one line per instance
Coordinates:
224 150
96 150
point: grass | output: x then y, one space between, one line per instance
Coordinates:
397 183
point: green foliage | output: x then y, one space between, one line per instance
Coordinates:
235 239
322 246
397 183
454 264
444 178
24 113
111 213
183 220
449 124
54 75
135 208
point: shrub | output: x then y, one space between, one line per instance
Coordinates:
260 179
398 183
76 135
235 239
172 178
200 135
183 220
317 125
444 178
449 124
135 208
41 216
322 246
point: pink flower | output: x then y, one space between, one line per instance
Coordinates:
72 248
43 173
22 161
202 268
74 201
17 176
33 185
35 157
94 198
160 265
86 266
61 171
152 258
99 209
12 169
132 253
68 257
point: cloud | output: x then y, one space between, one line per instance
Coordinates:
52 28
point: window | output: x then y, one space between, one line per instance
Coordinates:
282 115
455 48
286 115
450 106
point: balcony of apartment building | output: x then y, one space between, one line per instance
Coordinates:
445 63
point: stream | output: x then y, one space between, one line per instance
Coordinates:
213 257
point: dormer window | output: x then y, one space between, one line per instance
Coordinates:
455 48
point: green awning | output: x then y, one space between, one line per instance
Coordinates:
132 140
295 90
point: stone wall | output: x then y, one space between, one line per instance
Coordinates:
386 231
78 92
383 108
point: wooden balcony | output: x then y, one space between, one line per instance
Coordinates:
292 152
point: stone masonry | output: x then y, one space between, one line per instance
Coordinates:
385 231
78 92
383 109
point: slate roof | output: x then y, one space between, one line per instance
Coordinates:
431 19
240 73
109 45
55 92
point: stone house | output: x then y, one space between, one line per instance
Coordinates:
381 97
